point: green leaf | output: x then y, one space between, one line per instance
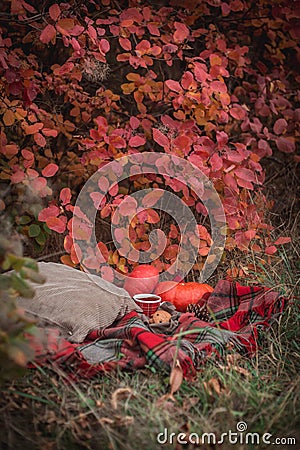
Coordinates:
5 282
46 228
34 230
33 275
24 220
14 261
21 286
31 263
6 263
41 238
37 247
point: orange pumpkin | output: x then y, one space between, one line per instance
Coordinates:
182 294
142 280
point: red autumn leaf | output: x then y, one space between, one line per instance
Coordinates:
56 224
203 251
134 122
80 214
103 251
46 213
245 174
225 9
270 250
32 174
151 198
218 86
79 229
105 211
50 170
75 44
18 176
68 242
286 145
39 139
120 234
160 138
142 47
54 12
64 26
264 148
65 196
188 81
181 33
174 85
182 142
93 33
200 71
8 118
155 50
237 112
75 253
173 233
142 217
250 234
136 141
215 60
97 198
282 240
153 216
76 30
48 33
244 183
32 129
171 251
9 150
107 273
280 126
39 186
128 207
153 29
28 155
216 162
31 92
114 189
49 132
103 184
104 45
125 43
203 233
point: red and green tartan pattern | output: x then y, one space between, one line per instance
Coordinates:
237 312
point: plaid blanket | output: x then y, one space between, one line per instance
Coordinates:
238 314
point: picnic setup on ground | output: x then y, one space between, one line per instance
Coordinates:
87 325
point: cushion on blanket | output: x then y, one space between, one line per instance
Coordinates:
75 301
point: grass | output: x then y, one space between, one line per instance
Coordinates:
43 410
123 410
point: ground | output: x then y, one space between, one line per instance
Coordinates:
43 410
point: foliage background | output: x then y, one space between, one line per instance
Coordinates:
85 82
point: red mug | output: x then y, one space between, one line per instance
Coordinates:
149 303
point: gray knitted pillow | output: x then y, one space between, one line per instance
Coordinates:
75 301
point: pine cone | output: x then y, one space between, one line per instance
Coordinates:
200 311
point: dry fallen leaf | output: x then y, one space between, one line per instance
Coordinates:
242 371
124 421
214 386
232 358
238 369
106 421
119 393
166 402
189 402
176 377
